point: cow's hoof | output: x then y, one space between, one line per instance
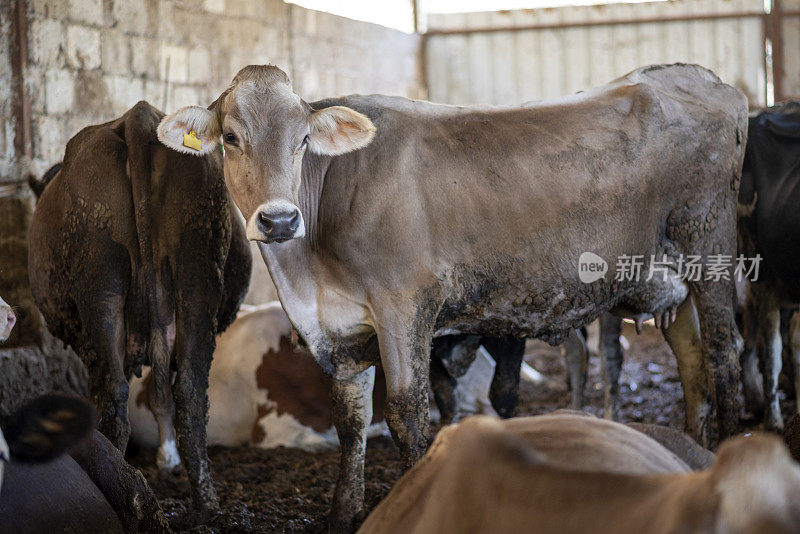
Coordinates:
773 422
170 473
344 523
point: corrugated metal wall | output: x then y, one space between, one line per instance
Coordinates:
508 67
790 31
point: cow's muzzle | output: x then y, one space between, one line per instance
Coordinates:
280 226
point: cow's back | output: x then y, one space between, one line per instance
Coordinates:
530 473
53 497
484 475
576 441
770 222
123 201
83 226
476 195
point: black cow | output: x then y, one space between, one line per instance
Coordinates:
136 256
769 225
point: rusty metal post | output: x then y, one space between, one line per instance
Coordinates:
20 103
774 24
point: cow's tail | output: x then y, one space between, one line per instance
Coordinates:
37 185
140 134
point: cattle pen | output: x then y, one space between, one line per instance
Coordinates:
400 266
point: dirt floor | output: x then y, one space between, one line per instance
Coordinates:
286 490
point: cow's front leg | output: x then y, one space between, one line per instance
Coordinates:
351 400
405 359
770 349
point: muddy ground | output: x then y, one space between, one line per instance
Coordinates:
286 490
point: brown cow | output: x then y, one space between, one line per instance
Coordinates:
136 256
386 222
566 473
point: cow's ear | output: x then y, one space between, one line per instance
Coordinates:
338 130
192 130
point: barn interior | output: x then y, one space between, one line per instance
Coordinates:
69 64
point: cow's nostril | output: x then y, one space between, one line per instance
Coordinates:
294 222
266 222
11 319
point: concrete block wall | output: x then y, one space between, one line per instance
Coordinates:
7 124
90 60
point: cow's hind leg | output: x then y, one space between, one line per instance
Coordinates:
769 349
794 337
686 343
404 343
444 391
611 359
162 403
722 344
752 382
352 411
577 362
194 347
102 318
507 353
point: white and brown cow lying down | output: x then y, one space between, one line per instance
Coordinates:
7 320
568 473
265 392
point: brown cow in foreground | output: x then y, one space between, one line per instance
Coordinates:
137 257
567 473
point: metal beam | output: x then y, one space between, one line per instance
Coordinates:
607 22
774 32
20 100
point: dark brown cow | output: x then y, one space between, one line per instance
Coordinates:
136 256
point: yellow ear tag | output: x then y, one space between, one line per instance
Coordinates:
190 140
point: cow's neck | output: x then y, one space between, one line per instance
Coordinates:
292 264
314 170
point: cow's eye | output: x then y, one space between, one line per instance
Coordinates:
305 142
229 138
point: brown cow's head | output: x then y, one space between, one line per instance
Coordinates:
265 129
